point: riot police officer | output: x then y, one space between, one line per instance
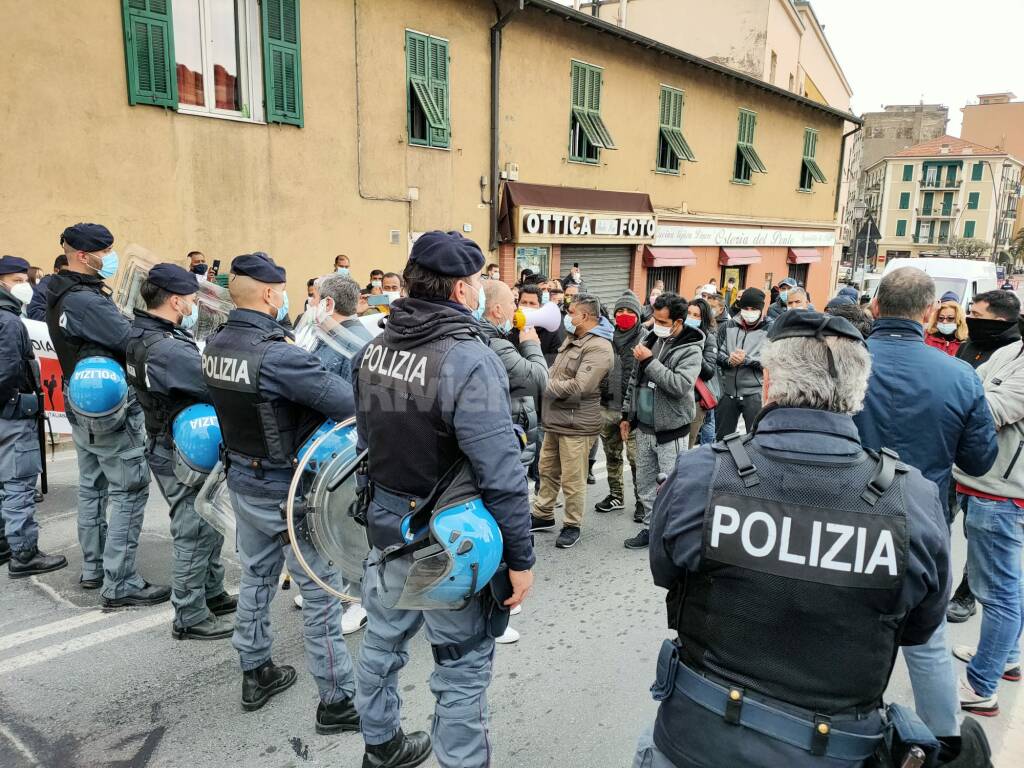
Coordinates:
432 393
166 370
271 395
84 322
20 411
796 564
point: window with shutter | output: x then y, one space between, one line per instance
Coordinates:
968 229
427 98
810 171
588 134
978 171
282 63
672 145
908 173
747 159
149 52
972 200
905 201
901 228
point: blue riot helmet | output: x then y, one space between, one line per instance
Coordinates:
97 395
197 441
329 442
451 557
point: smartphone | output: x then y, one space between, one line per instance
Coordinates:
378 301
216 267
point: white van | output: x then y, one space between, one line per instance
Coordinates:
964 277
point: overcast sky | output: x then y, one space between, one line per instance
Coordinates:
941 51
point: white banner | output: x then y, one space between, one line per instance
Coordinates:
50 375
742 237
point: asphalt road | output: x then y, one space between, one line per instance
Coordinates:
82 687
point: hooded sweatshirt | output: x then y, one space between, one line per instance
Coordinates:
667 379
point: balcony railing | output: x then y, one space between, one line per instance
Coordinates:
928 182
944 212
931 239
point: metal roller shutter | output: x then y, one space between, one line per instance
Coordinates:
605 268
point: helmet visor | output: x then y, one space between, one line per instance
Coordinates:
214 503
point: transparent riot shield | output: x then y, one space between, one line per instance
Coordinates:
135 264
214 305
322 503
213 503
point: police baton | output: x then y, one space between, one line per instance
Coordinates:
41 432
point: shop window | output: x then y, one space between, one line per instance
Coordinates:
668 275
227 58
810 171
747 159
535 257
427 89
799 273
588 134
672 145
739 274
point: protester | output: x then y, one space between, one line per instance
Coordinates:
572 417
531 297
995 539
197 264
392 286
648 309
914 386
718 309
659 401
574 277
852 312
698 315
556 295
626 336
947 329
37 307
35 274
571 293
492 272
739 358
376 279
342 265
780 305
729 291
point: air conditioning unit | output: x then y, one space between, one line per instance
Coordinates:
511 172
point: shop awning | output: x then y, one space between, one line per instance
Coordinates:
803 256
669 257
734 257
516 194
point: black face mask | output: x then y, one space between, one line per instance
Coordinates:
199 269
986 330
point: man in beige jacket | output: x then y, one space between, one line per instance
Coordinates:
572 417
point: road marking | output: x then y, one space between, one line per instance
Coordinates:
53 593
20 746
87 641
64 625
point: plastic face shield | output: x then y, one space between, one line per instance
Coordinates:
214 305
214 503
185 472
321 503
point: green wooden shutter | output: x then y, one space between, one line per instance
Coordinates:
810 149
149 52
968 229
671 122
947 203
594 81
748 124
978 171
929 200
282 61
579 85
908 173
904 201
901 228
972 200
438 88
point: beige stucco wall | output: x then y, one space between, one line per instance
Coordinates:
1000 126
785 31
820 67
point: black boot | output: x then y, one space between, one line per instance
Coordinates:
401 752
267 680
210 628
337 717
222 604
30 562
591 480
5 550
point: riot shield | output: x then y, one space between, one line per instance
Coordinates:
213 503
322 502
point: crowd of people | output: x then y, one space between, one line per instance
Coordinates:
658 385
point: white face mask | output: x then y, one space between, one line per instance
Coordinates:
750 316
22 292
662 332
946 329
393 296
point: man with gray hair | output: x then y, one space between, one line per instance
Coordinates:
796 564
930 408
336 309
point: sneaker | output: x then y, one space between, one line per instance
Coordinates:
298 601
353 619
985 706
638 512
609 504
540 524
568 536
516 611
1011 672
510 636
640 541
961 609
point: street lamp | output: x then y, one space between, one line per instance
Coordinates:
859 210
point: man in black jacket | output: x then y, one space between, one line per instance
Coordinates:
530 297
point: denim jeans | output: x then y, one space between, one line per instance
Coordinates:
934 683
707 429
995 543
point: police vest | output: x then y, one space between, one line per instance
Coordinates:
410 446
159 409
802 567
265 433
71 349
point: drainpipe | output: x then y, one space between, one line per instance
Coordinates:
503 19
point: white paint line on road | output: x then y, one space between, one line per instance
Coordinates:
20 746
53 628
87 641
53 593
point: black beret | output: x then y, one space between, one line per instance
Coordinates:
752 298
803 323
11 264
87 237
173 279
447 253
259 266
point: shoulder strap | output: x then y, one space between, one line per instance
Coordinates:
735 445
885 475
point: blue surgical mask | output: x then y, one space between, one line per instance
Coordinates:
506 327
109 266
343 271
282 311
481 304
567 323
545 297
190 320
784 296
692 322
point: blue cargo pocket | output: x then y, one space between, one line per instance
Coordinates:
134 469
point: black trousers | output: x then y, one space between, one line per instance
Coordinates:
727 414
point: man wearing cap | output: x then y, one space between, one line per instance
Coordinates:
778 306
791 593
447 403
20 411
83 321
739 357
270 396
166 370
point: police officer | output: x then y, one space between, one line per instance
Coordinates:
270 395
83 322
796 564
166 370
430 392
20 411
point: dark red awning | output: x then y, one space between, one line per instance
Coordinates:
732 257
669 257
803 256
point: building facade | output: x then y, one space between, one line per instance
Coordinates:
312 128
997 121
933 196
